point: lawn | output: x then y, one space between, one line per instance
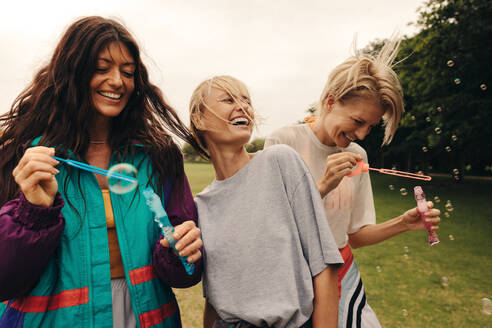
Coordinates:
408 283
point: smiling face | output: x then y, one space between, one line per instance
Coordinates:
113 81
344 122
227 116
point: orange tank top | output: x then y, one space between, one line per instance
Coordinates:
116 264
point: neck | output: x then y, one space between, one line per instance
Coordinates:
227 161
98 135
320 132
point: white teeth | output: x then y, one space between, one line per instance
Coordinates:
240 121
110 95
346 136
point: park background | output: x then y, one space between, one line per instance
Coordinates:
284 51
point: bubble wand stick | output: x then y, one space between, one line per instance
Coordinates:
422 208
155 205
363 167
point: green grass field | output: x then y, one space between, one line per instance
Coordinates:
403 276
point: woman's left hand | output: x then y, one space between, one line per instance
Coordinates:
189 242
412 220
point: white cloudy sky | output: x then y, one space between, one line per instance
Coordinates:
283 50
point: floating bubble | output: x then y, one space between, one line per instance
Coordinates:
403 191
122 178
449 207
412 117
391 187
447 148
438 130
428 119
456 177
439 109
404 312
393 168
405 256
420 172
437 199
450 63
483 86
424 149
405 249
454 137
446 214
456 171
451 237
444 281
486 306
378 268
457 80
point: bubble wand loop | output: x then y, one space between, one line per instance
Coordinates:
363 167
155 205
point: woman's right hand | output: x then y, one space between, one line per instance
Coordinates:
35 175
337 166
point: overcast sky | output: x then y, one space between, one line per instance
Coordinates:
283 50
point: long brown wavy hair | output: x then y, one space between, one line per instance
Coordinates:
57 106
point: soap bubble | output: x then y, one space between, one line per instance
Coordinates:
439 109
403 191
405 256
393 168
451 237
405 249
486 306
438 130
450 63
122 178
378 268
420 172
424 149
391 187
428 119
454 137
412 117
404 312
456 171
449 207
446 214
444 281
457 80
437 199
483 86
447 148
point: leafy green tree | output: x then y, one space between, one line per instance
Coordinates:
255 145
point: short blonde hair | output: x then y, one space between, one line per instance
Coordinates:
365 75
234 88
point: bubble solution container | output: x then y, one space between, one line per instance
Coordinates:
422 208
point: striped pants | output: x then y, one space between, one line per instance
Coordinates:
353 310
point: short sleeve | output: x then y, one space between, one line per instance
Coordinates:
363 212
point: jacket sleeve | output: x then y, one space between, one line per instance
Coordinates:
29 235
179 208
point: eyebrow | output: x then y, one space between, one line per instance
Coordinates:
110 61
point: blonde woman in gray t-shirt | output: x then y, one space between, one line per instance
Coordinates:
270 257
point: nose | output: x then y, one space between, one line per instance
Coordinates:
115 79
362 132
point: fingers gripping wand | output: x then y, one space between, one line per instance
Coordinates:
155 205
422 208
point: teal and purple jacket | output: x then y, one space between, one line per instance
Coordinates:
54 268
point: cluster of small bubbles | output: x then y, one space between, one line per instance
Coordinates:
405 249
437 199
412 117
424 149
444 281
404 312
451 237
456 171
457 80
439 109
122 178
449 207
428 119
486 306
483 86
391 187
403 191
378 268
454 137
450 63
438 130
447 148
446 214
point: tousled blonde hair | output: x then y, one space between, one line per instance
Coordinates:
235 88
368 76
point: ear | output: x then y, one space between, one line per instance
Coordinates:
328 103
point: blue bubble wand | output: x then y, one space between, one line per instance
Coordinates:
155 205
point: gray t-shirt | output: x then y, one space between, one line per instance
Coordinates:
265 237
